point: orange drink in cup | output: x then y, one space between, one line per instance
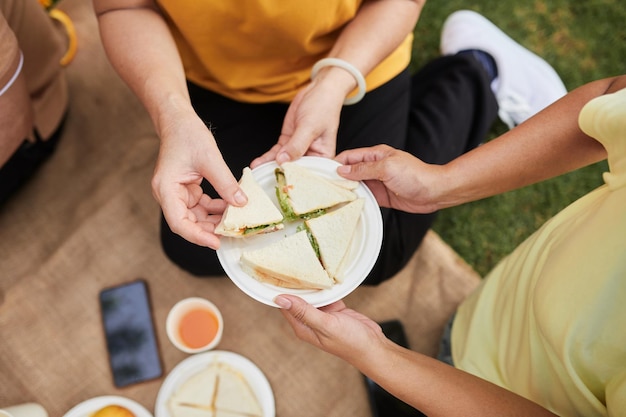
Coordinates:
194 325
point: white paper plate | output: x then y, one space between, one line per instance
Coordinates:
363 253
196 363
90 406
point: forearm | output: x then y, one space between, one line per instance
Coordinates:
547 145
142 51
438 389
425 383
377 30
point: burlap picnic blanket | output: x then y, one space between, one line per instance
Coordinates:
88 220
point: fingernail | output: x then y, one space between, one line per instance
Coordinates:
282 157
344 169
282 302
240 197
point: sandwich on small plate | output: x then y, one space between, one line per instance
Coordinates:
303 194
259 215
333 233
215 391
291 262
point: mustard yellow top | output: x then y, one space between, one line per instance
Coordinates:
263 50
549 322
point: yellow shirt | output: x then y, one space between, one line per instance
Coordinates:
549 322
263 50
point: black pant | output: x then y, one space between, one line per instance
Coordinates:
26 160
439 113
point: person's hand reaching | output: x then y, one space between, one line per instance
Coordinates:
310 126
188 154
396 178
335 328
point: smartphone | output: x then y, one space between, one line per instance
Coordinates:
129 332
382 403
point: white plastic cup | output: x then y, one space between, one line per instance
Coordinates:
179 318
24 410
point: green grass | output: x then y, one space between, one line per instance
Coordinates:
584 41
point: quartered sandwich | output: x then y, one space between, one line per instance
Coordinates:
260 215
235 396
290 263
332 234
314 257
303 194
216 391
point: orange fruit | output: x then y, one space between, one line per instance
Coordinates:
113 411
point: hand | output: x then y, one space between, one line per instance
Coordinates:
396 178
335 328
310 126
188 154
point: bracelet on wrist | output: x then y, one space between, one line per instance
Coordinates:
337 62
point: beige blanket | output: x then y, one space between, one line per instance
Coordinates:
88 221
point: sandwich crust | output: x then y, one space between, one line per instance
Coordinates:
290 263
308 192
260 215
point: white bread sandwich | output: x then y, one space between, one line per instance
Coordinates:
217 390
304 194
290 263
184 410
198 391
345 183
333 233
259 215
234 395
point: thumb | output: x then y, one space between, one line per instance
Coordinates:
362 171
363 164
293 305
295 146
225 184
298 312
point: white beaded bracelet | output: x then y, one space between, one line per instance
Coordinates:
14 77
336 62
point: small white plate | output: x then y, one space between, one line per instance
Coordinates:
194 364
90 406
364 251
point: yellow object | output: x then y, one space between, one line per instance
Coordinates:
46 3
263 51
113 411
548 322
71 35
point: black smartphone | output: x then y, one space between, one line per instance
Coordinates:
382 403
129 333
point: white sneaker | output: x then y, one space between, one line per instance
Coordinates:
525 84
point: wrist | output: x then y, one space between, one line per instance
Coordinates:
343 75
171 110
448 189
369 357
